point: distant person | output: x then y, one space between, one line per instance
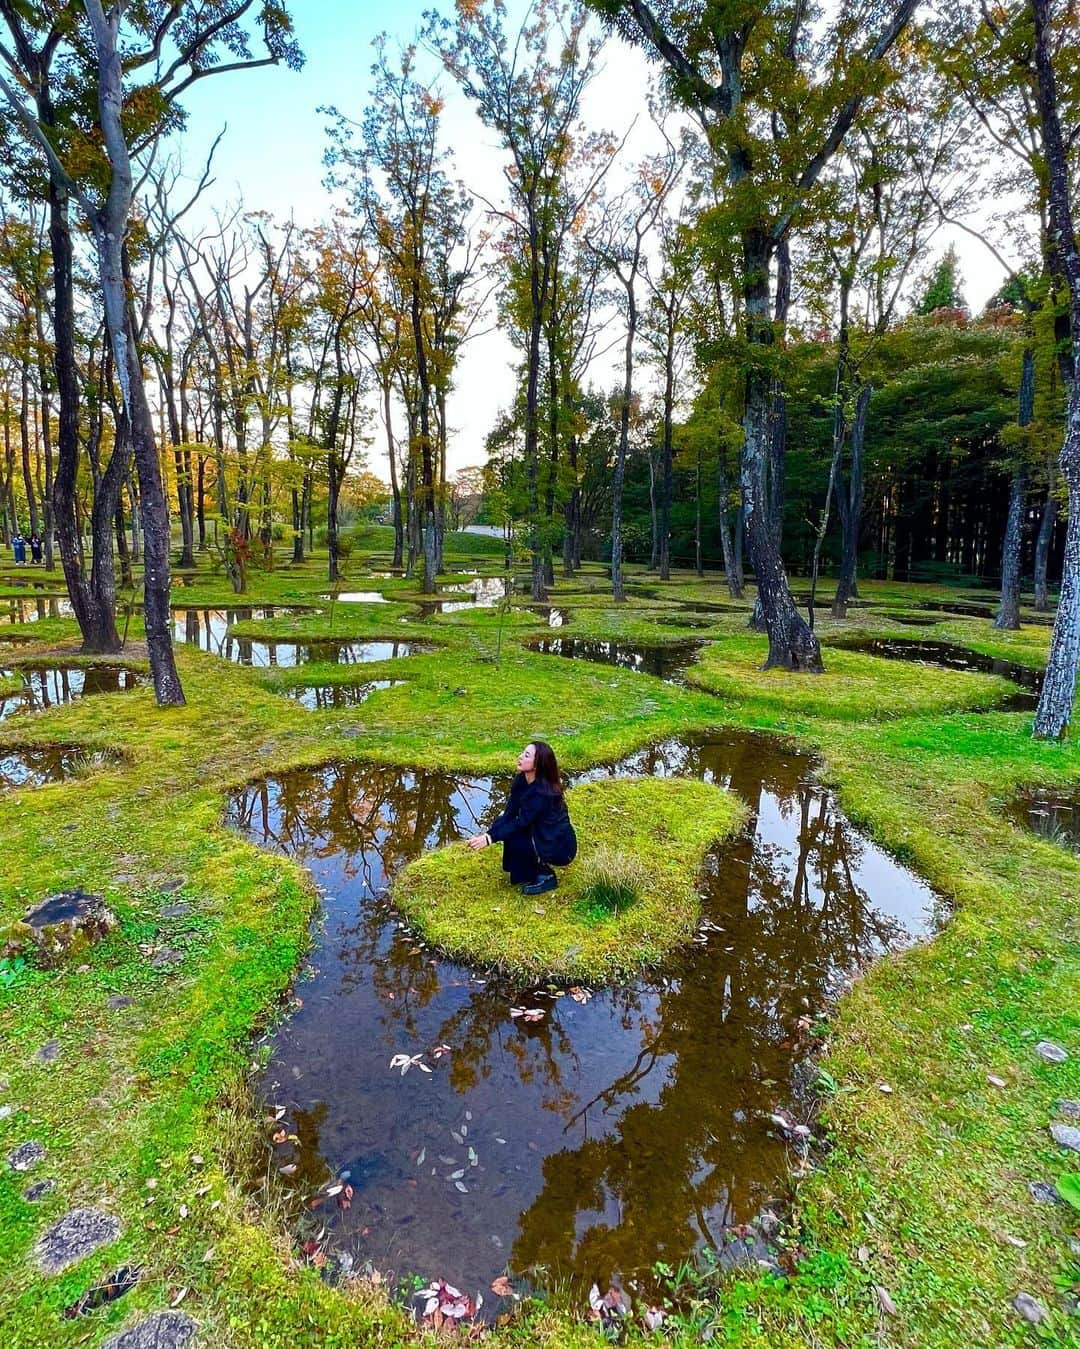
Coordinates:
534 828
35 547
18 547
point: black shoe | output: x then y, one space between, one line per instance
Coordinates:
544 882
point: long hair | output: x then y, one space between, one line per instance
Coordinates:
546 767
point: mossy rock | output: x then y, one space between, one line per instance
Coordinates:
657 830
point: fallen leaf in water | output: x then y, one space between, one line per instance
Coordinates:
458 1138
502 1287
580 994
440 1050
288 1170
473 1158
420 1159
463 1188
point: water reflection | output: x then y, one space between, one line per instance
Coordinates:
37 765
615 1132
46 686
335 697
665 662
31 611
211 630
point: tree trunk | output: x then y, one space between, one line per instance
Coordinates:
1042 546
850 508
1059 687
1008 615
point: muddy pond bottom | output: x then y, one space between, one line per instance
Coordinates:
610 1129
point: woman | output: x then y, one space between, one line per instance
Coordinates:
535 828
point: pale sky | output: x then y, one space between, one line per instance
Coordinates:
271 158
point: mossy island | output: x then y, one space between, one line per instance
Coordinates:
628 902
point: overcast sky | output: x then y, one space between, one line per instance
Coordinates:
271 158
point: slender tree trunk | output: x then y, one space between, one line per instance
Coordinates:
618 587
395 490
1008 615
1042 546
1059 687
24 442
723 514
127 581
654 520
792 645
200 502
850 508
666 457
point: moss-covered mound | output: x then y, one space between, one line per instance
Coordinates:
629 899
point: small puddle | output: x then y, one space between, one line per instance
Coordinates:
952 657
1051 812
614 1132
358 597
970 609
34 611
38 765
47 686
334 697
665 662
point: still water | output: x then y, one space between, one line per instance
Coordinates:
629 1127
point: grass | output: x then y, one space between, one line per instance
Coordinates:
658 830
920 1187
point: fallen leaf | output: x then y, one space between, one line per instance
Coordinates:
885 1302
502 1287
996 1081
885 1088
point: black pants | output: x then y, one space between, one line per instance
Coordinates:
520 859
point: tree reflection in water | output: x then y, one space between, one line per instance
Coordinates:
613 1133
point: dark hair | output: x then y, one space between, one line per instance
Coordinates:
546 766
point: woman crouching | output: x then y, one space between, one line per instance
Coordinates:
534 828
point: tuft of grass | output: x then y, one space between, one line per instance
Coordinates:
611 880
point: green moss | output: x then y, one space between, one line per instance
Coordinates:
462 902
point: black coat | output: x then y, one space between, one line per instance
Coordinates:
536 812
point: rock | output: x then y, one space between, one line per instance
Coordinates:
162 1330
48 1053
26 1156
73 1237
166 957
176 910
38 1190
60 927
167 887
117 1001
1043 1192
1030 1308
1050 1052
1070 1109
1066 1136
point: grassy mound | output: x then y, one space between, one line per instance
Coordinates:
628 900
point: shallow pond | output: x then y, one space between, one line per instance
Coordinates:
623 1128
32 611
1051 812
209 629
52 686
665 662
358 597
37 765
334 697
953 657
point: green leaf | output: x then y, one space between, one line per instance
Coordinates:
1068 1186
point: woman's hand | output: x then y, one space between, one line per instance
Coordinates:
479 841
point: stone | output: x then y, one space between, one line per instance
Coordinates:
61 927
162 1330
73 1237
1066 1136
38 1190
165 957
1043 1192
117 1001
176 910
1050 1052
26 1156
177 883
1070 1109
48 1053
1030 1308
